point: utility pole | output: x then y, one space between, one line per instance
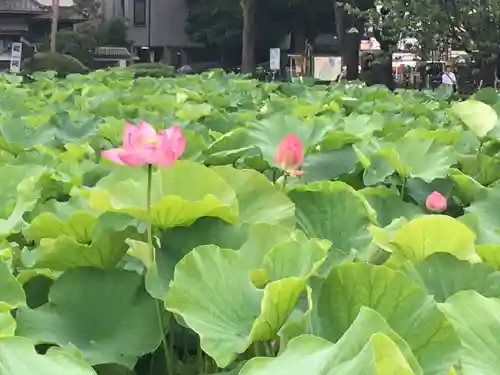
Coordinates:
150 19
55 22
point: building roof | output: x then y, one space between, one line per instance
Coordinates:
20 6
62 3
41 8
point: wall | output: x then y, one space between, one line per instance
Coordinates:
167 27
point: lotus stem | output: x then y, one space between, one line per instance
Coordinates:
159 310
285 180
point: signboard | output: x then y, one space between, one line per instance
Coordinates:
327 68
274 58
15 57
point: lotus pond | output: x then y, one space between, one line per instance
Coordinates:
345 269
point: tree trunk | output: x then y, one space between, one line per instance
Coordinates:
382 70
249 8
54 25
487 72
349 42
384 75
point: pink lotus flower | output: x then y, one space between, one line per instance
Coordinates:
143 145
290 155
436 202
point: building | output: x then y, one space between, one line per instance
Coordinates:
161 39
30 21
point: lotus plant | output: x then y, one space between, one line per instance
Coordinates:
142 145
436 202
289 156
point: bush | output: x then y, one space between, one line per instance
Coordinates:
152 70
61 64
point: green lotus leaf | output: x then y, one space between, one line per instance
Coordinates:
369 347
11 292
258 202
18 194
336 212
483 168
295 259
271 247
443 275
268 133
228 148
19 357
477 116
73 218
378 168
420 158
482 219
213 293
106 248
490 254
408 309
475 318
466 188
429 234
486 235
362 125
419 189
262 238
178 195
328 164
388 205
299 320
7 325
107 315
258 199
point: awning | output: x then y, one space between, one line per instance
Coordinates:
112 53
13 29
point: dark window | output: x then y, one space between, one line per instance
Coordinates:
140 12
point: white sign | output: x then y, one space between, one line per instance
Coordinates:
16 50
15 66
274 58
327 68
15 57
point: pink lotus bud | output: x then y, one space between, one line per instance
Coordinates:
290 155
436 202
143 145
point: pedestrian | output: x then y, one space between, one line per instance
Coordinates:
449 78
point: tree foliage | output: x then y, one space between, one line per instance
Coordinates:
81 44
218 23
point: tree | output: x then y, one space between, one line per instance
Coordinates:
249 9
219 25
81 44
470 25
351 18
91 7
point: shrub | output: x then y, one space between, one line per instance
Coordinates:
152 70
61 64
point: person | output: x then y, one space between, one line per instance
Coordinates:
449 78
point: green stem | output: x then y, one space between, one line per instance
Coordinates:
269 349
256 349
199 358
402 193
285 180
479 149
159 312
